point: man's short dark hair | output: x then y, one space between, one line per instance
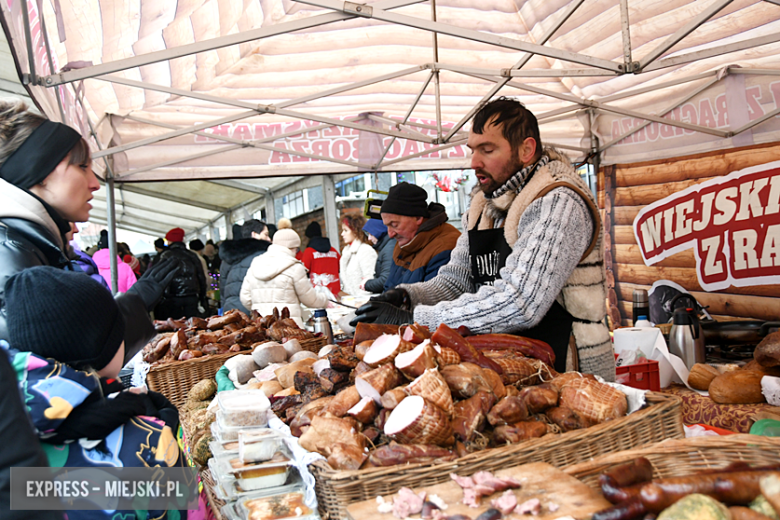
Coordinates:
252 226
518 122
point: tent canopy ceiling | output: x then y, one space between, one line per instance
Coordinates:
254 90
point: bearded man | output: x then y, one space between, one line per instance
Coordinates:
530 259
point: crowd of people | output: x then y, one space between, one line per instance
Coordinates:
529 260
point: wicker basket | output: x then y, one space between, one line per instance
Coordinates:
680 457
662 419
175 379
313 344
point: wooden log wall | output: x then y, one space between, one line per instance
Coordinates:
623 190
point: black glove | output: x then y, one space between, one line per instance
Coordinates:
397 297
381 312
152 284
97 417
157 405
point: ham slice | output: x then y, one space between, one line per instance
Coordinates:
418 421
432 386
482 483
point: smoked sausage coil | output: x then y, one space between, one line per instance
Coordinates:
447 337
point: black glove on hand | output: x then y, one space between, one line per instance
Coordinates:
381 312
397 297
97 417
157 405
152 284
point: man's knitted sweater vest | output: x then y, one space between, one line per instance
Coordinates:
584 293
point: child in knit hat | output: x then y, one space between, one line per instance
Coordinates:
66 344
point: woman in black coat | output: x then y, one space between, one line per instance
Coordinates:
46 182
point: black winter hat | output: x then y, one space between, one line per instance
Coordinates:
406 199
63 315
196 245
313 230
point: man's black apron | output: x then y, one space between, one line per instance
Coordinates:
489 250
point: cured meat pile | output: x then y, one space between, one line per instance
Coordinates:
415 397
189 338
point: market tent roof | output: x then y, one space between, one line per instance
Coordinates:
222 89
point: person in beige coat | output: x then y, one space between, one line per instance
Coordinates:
277 279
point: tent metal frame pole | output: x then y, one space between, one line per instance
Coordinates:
156 211
111 222
748 126
398 124
500 41
134 219
436 86
251 143
520 64
172 198
659 86
687 97
28 41
260 109
329 210
754 72
682 32
405 119
515 73
129 227
209 45
625 32
715 51
48 57
243 186
254 106
608 108
257 143
553 114
171 135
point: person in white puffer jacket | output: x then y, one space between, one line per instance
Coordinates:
358 258
277 279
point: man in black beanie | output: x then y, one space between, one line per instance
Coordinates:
237 255
424 240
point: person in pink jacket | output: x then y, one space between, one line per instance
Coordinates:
125 276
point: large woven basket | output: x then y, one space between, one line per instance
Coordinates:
660 420
313 344
175 379
680 457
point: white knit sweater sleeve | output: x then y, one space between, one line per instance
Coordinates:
553 233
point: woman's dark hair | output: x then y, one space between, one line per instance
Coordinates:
518 122
16 125
355 223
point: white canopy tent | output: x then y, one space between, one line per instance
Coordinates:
256 90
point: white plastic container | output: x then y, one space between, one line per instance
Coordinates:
255 476
243 408
259 445
276 507
227 434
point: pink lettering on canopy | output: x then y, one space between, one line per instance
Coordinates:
732 223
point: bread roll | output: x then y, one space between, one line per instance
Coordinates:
738 387
701 376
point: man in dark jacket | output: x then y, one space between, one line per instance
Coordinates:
188 287
237 256
384 246
424 240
